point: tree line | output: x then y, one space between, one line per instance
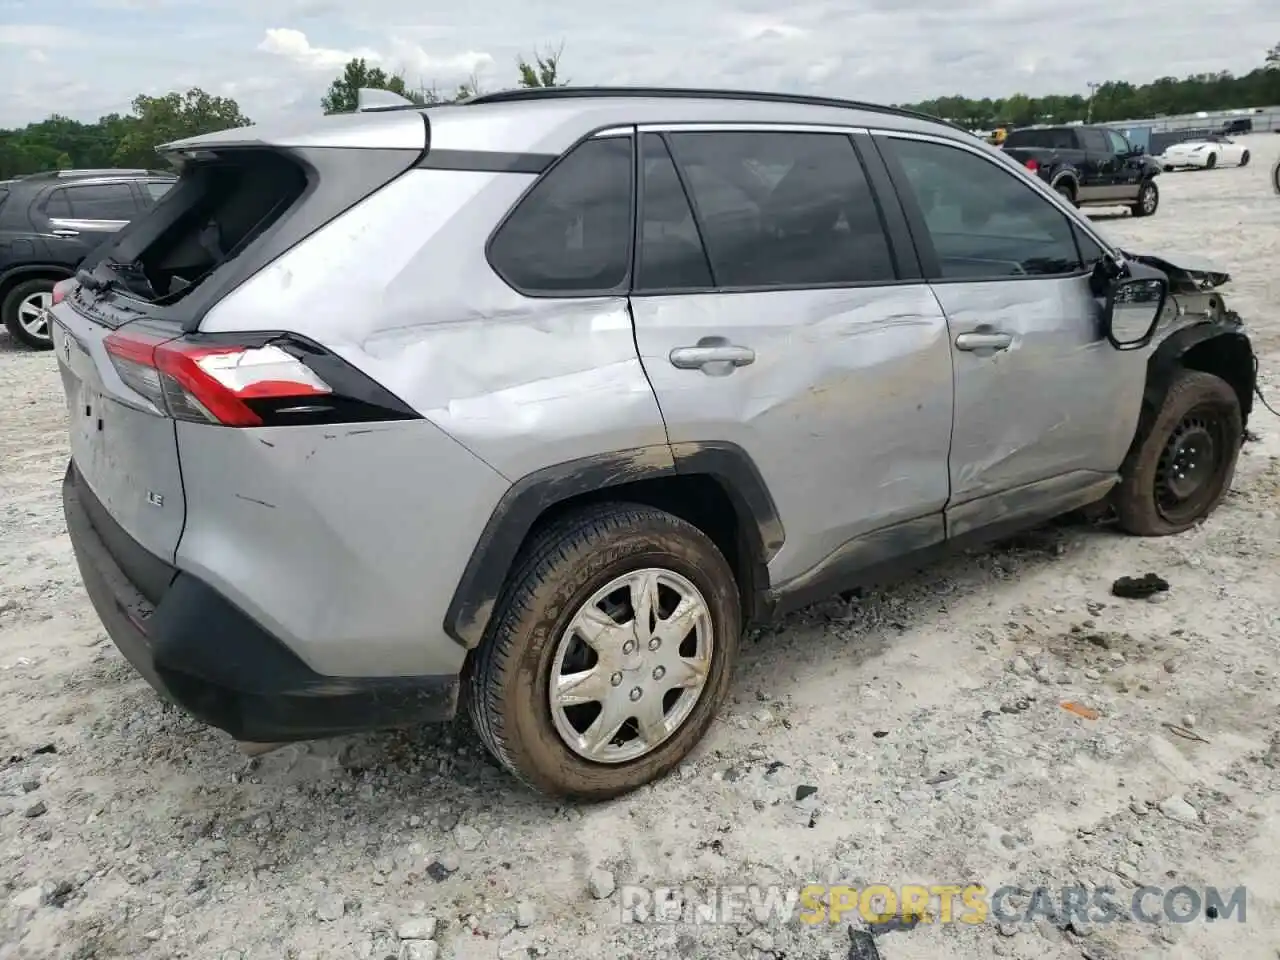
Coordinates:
1116 100
129 140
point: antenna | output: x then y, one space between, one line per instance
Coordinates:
370 100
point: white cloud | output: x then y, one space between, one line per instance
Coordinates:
277 56
293 45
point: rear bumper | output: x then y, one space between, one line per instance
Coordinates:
202 653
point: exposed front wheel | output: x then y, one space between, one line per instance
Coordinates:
1244 159
25 313
1148 200
1212 162
609 653
1179 471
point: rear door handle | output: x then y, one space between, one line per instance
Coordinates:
983 341
694 358
64 232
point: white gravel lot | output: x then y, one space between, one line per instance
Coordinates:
127 830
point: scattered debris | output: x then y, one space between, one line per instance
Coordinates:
602 884
417 928
863 946
1080 710
1177 808
804 790
1184 732
37 809
1139 588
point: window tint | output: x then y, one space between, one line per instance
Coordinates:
158 188
96 201
1118 143
572 232
1052 139
983 222
671 254
783 209
1094 142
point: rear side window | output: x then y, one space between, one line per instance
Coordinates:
671 254
92 201
984 223
783 209
571 233
158 188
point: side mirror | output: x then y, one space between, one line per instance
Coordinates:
1134 305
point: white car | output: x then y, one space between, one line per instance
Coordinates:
1205 153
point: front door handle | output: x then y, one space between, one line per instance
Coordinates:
64 232
984 341
710 353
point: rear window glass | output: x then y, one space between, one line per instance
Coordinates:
571 234
158 188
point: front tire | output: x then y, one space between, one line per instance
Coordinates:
1211 162
1244 159
1148 200
23 313
609 654
1178 472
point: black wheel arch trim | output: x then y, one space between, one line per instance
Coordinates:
1170 356
530 498
17 273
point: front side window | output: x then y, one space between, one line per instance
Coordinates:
571 233
983 222
1094 142
1118 143
783 209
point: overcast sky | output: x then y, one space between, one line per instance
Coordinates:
84 58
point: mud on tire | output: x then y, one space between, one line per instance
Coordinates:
1182 464
565 565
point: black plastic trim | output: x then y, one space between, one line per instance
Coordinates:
1167 359
486 161
199 651
892 217
520 508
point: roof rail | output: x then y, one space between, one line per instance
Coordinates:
520 94
97 172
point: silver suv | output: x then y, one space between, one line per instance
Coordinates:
539 400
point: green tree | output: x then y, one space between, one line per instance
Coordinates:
1273 58
174 116
344 92
544 71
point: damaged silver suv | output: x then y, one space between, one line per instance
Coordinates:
534 402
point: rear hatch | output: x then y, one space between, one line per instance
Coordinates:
126 333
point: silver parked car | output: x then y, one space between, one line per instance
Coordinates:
537 401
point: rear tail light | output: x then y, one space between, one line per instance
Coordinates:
267 383
1032 165
61 289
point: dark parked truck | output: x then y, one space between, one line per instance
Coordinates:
1089 166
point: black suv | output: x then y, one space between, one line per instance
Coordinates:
49 222
1089 166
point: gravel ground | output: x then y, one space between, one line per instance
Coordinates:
928 717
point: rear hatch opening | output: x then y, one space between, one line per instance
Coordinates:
219 206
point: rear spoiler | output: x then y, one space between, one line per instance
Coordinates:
371 100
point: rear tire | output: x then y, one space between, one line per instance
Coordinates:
18 311
1244 159
537 634
1180 469
1148 200
1067 191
